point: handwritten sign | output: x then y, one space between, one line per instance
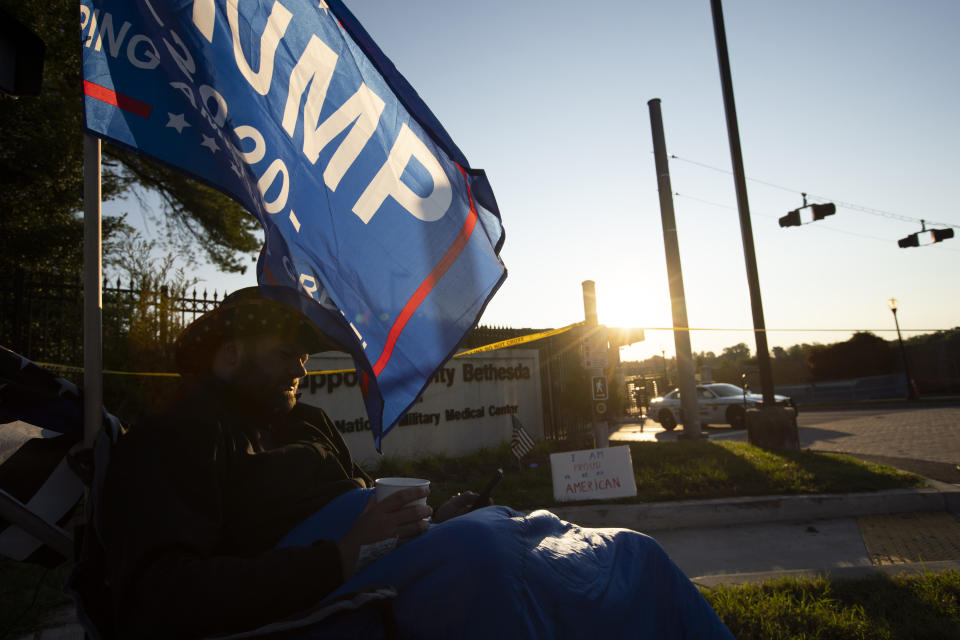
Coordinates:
593 474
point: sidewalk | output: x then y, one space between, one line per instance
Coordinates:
753 539
889 533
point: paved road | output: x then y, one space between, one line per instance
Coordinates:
923 440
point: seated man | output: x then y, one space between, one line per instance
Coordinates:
237 507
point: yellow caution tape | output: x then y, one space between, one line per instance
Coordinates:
769 330
490 347
512 342
64 367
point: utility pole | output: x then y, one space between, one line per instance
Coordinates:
678 303
772 431
743 206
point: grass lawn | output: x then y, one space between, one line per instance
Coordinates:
876 608
663 471
904 607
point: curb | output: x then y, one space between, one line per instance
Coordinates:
694 514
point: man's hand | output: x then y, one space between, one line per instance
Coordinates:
391 518
457 506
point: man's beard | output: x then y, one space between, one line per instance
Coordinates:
266 398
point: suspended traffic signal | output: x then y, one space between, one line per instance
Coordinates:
792 219
941 234
925 237
816 212
821 211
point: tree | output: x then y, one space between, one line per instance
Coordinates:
41 170
731 363
790 365
736 353
140 324
864 354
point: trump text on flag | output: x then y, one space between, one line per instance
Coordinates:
368 206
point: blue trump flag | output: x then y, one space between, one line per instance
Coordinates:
369 208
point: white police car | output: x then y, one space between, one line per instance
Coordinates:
717 403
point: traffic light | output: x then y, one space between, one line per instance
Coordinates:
816 212
941 234
792 219
821 211
910 241
929 236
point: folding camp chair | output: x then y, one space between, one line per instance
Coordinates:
44 477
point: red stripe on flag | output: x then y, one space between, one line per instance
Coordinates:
427 285
109 96
269 275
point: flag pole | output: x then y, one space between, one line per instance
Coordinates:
92 292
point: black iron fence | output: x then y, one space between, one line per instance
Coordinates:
41 317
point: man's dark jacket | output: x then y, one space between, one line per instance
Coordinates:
195 501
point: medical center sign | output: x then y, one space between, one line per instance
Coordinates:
290 108
467 405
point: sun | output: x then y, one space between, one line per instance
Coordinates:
628 308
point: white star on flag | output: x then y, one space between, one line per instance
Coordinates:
177 121
323 5
210 143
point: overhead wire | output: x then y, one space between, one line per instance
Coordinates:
764 215
839 203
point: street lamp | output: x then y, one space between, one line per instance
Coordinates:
911 392
666 379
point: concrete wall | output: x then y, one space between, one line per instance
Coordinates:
466 407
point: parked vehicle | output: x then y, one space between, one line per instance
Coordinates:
717 403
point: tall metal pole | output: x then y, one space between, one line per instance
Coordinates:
678 303
746 229
92 292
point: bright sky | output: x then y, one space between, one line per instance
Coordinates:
850 101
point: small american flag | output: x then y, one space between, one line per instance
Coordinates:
521 442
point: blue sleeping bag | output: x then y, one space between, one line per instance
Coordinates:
495 572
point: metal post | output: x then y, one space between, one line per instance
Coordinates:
746 229
911 392
591 330
92 292
590 303
678 303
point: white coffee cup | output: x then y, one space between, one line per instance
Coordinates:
389 486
